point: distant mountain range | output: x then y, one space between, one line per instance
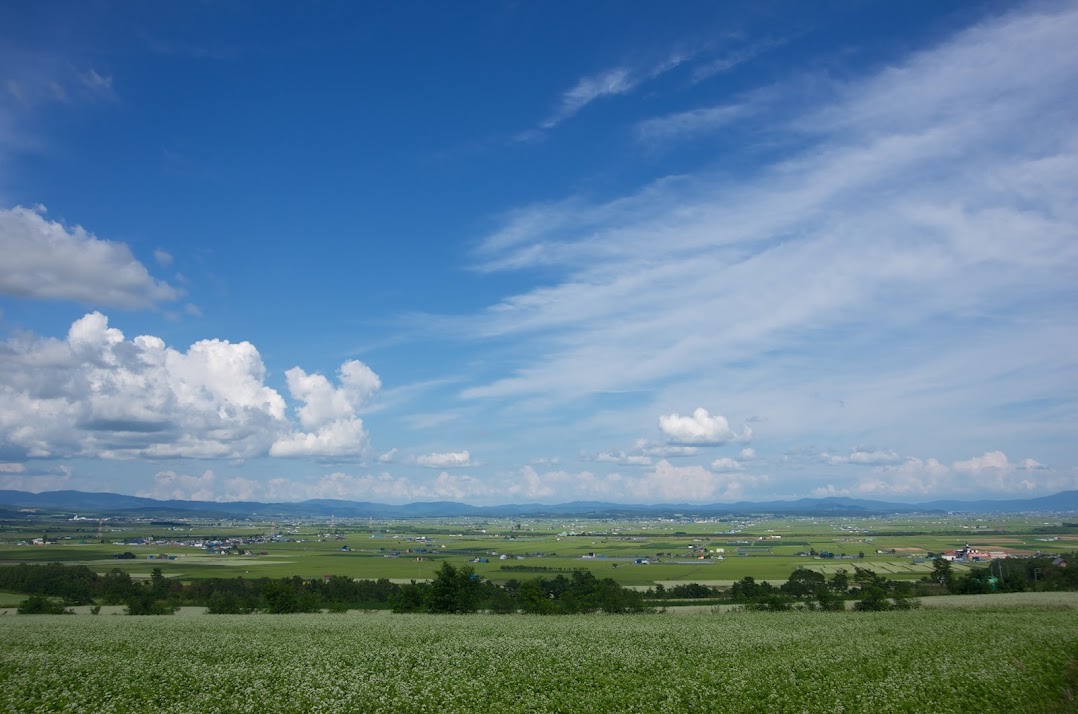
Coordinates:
103 504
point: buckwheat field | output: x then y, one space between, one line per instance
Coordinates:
919 661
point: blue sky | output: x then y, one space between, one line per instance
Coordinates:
511 252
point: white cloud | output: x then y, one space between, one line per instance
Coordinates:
700 429
691 123
98 394
335 439
587 90
324 403
693 484
608 83
915 200
990 475
169 485
664 483
747 454
732 60
387 456
996 460
383 487
863 456
38 478
329 413
97 84
726 464
620 457
665 451
447 460
46 260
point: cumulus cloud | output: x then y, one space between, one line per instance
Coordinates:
96 393
383 487
446 460
663 483
621 457
37 478
694 484
169 485
328 414
700 429
664 451
991 460
726 464
991 474
47 260
863 456
337 439
324 403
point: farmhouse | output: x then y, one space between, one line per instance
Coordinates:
968 553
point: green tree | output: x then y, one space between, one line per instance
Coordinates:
533 599
143 602
410 597
942 572
222 602
453 590
41 605
829 600
803 582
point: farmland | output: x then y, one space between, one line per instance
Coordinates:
775 662
716 552
713 659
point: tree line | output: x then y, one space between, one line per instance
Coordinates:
55 586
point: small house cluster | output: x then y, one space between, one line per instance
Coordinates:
969 554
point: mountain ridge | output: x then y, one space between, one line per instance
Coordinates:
104 503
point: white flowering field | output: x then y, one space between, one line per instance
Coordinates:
917 661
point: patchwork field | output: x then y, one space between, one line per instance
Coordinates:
764 548
917 661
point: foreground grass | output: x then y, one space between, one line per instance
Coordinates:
918 661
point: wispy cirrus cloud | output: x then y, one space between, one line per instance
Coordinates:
882 218
610 82
691 122
734 58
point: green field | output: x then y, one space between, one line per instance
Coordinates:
765 548
915 661
11 599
